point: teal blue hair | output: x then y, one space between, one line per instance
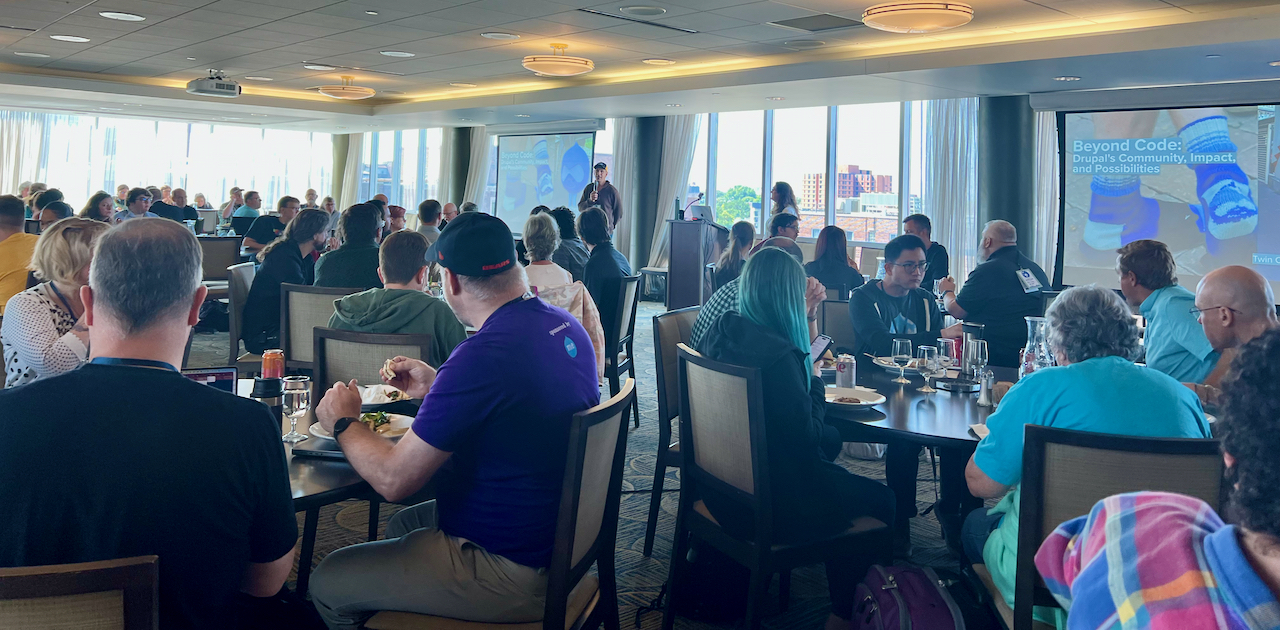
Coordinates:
771 294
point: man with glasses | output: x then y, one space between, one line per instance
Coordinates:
998 294
1234 305
137 205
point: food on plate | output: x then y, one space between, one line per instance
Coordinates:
377 421
395 394
848 400
388 373
827 364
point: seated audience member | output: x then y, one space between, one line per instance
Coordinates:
571 255
44 332
137 205
725 298
252 202
998 295
354 264
122 193
310 196
468 206
202 203
1095 387
1235 305
166 194
1174 340
605 268
396 220
402 307
45 198
167 207
269 227
16 247
429 218
179 197
156 195
98 208
286 259
784 225
52 213
541 240
741 237
813 497
934 253
32 193
236 199
331 208
221 519
1169 557
522 254
831 264
895 307
495 450
449 211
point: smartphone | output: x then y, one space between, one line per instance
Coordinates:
820 346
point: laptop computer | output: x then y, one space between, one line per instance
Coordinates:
223 378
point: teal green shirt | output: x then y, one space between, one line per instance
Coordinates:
1102 395
1175 340
245 211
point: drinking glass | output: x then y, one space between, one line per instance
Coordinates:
946 354
297 399
976 354
901 356
937 291
929 367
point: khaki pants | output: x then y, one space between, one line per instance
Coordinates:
420 569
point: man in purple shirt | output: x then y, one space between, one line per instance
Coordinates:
492 434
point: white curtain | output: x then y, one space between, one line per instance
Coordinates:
351 172
21 143
477 167
1045 238
624 179
444 166
679 137
951 179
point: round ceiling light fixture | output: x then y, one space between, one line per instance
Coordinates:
32 54
558 64
348 91
1274 64
1066 78
805 44
75 39
370 12
463 85
658 62
397 53
317 66
642 11
522 115
123 17
775 98
917 17
498 35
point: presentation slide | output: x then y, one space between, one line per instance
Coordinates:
543 170
1203 181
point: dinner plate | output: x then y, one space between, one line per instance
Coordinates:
867 397
888 364
377 394
399 426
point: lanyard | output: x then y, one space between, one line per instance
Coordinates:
142 363
63 298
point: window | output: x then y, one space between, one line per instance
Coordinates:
800 160
866 171
739 167
407 169
604 146
698 183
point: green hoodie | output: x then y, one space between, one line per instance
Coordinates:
401 311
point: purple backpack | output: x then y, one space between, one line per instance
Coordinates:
902 598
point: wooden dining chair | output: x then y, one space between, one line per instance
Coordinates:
619 353
120 593
669 329
834 321
220 253
725 448
239 280
586 532
303 308
1065 473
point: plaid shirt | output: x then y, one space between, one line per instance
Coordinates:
724 300
1154 560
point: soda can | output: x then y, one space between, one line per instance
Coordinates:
846 371
273 364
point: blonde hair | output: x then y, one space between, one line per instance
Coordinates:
65 248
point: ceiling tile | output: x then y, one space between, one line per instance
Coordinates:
703 22
765 33
476 17
585 20
710 5
703 40
433 23
761 12
640 31
542 27
230 19
523 8
357 11
382 35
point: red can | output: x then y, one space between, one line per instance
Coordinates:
273 364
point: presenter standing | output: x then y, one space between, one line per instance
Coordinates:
600 193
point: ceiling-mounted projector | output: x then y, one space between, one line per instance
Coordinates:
216 84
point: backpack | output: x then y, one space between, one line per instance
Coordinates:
713 588
903 598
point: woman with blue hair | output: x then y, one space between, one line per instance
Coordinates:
812 497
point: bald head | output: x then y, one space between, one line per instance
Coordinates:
997 235
1237 305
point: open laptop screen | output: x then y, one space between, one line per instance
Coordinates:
223 378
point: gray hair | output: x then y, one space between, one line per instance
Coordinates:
468 206
487 288
541 238
145 271
1001 231
1089 322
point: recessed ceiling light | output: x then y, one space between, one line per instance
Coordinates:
673 105
318 66
31 54
111 109
259 79
1274 63
341 127
465 119
498 35
370 12
191 58
397 53
1212 56
776 98
1066 78
658 62
805 44
70 38
257 114
642 11
123 17
522 115
463 85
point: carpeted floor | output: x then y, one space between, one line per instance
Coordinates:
640 578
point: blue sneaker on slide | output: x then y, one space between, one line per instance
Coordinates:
1229 210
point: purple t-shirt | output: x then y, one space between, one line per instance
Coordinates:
502 404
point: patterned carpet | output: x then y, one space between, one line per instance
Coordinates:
640 578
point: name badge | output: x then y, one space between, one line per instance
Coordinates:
1028 281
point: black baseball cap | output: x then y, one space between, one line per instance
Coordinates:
474 244
600 166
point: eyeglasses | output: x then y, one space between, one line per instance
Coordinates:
912 267
1199 312
143 199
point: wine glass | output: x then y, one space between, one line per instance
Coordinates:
901 356
946 354
297 399
928 356
977 356
937 291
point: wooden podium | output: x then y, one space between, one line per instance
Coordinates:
692 246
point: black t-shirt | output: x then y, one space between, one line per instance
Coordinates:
265 229
939 265
112 461
879 318
993 296
167 211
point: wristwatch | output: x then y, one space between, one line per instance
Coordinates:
341 425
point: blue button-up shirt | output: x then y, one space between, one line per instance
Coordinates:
1175 340
125 215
